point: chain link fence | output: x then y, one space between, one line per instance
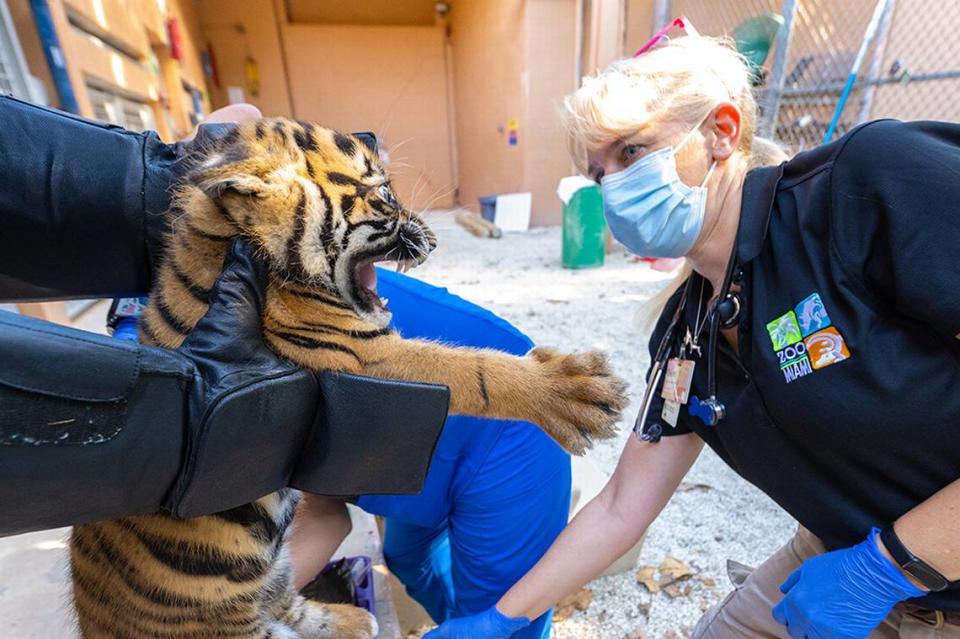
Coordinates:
909 71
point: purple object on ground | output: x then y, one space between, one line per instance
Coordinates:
361 578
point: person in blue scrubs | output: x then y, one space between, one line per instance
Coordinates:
497 493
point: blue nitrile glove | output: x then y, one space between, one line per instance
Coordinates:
844 594
491 624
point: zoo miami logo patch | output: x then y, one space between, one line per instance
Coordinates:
805 339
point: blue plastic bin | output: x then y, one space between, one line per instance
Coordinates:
488 207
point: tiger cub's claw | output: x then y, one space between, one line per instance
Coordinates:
582 400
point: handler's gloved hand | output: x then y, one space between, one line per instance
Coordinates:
232 366
843 594
491 624
247 412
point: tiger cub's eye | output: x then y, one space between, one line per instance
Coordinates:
386 194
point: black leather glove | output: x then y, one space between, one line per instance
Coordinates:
248 401
94 428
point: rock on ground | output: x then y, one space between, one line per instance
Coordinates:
520 277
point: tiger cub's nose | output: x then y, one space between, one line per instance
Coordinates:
416 240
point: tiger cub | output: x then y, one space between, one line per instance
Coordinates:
319 207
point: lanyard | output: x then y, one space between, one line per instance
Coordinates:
656 369
710 410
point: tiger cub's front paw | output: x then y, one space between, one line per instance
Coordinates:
582 401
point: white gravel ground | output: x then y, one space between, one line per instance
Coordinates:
520 278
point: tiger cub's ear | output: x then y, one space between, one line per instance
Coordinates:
234 170
220 180
244 164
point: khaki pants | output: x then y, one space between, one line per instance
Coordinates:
746 612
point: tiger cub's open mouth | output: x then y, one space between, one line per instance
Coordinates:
415 242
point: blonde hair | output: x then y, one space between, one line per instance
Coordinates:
766 153
682 80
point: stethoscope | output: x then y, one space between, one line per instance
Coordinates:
724 313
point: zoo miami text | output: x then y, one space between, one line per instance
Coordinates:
805 340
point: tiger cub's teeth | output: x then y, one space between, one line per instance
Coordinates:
384 300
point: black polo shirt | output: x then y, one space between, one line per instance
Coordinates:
844 403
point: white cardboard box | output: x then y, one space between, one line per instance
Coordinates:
512 212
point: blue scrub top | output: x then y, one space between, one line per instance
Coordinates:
427 312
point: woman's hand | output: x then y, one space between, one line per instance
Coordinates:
491 624
232 114
843 594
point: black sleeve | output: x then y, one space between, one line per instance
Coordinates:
896 217
97 428
90 427
81 205
656 406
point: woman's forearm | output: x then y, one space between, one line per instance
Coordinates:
646 477
591 542
319 527
932 531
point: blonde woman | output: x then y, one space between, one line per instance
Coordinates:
814 347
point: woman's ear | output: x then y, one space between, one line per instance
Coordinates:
726 128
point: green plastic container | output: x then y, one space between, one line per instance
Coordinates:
584 229
754 38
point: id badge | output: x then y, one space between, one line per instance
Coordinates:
671 412
677 380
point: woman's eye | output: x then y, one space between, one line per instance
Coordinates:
631 152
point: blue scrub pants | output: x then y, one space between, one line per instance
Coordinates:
497 493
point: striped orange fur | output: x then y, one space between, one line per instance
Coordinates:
319 207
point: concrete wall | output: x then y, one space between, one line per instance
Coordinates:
487 45
219 20
366 12
440 93
190 67
388 79
550 74
639 25
604 31
513 60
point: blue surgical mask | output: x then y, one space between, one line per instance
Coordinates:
649 210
